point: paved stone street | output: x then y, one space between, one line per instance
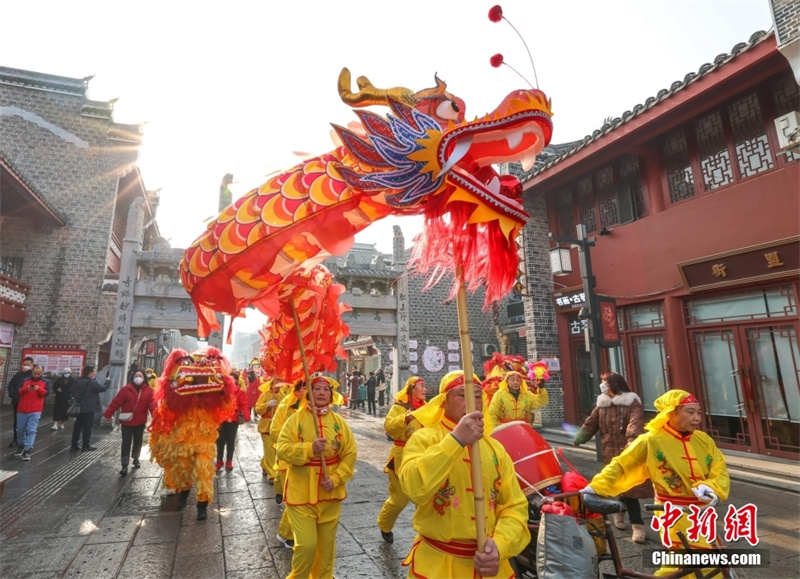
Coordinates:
70 514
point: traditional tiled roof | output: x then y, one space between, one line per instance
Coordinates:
612 124
42 81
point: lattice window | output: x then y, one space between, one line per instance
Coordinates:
679 171
566 214
11 267
715 161
607 197
749 136
586 204
630 168
786 98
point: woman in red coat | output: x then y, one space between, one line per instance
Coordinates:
135 398
227 430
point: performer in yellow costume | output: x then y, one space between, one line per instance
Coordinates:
436 475
314 501
514 401
293 401
399 425
685 465
266 406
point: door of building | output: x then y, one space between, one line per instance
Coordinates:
748 377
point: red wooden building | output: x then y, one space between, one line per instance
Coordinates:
696 214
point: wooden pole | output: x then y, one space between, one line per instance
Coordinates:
308 385
469 396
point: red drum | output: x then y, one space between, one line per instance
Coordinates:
535 462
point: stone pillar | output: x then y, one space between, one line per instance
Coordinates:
400 358
120 340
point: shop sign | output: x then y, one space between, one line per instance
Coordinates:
766 261
569 299
609 330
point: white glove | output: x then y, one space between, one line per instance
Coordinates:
706 494
272 403
587 490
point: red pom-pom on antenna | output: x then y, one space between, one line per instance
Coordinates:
496 60
496 14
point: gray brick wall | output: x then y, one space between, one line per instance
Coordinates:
64 265
787 20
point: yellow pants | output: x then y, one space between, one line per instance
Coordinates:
268 460
285 526
393 506
683 524
314 539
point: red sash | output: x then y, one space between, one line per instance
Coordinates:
463 549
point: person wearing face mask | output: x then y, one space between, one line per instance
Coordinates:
29 410
134 401
86 391
62 388
13 385
619 416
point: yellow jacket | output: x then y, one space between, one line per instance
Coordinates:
400 431
436 475
305 471
265 411
505 408
674 463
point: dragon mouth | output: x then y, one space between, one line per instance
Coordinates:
197 380
468 153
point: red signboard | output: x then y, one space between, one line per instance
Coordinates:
56 357
609 330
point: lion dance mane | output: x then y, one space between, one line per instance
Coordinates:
195 394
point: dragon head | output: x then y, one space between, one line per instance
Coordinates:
204 372
426 148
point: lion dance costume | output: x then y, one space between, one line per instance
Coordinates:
195 394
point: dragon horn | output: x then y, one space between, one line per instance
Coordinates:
368 94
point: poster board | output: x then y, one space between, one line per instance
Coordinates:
56 357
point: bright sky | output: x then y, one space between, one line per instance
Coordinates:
233 86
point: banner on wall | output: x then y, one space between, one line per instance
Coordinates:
609 329
56 357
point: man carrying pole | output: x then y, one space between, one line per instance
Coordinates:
436 475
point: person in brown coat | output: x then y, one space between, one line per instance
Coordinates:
619 416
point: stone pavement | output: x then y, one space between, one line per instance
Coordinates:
70 514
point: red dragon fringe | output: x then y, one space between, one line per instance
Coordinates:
488 258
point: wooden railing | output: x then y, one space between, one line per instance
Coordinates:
12 300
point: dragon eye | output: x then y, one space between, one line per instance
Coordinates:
447 110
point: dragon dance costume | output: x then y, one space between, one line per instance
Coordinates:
314 512
675 462
436 475
505 407
266 413
399 430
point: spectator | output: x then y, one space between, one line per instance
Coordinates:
29 410
380 379
136 398
353 381
371 385
619 417
62 388
16 381
227 430
86 391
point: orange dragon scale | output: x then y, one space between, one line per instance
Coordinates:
423 157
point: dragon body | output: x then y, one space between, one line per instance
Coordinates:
195 395
423 157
